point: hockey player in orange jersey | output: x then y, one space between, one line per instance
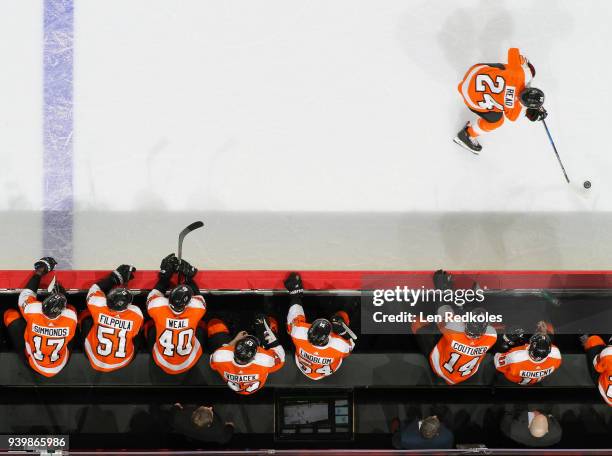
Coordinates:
529 363
111 322
459 351
175 333
321 346
42 330
245 361
495 91
599 358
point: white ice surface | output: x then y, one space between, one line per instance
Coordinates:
20 132
318 135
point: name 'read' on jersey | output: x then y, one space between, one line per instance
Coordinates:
110 343
176 349
497 87
456 357
46 340
315 362
251 377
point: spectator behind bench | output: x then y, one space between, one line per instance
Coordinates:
199 424
428 433
533 429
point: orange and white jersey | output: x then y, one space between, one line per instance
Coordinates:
110 342
497 87
518 367
176 349
603 365
315 362
46 340
456 357
247 378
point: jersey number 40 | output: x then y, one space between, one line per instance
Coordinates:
181 346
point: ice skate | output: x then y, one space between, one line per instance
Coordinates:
466 141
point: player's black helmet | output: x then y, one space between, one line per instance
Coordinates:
245 350
475 329
532 97
180 297
54 305
118 299
539 347
319 331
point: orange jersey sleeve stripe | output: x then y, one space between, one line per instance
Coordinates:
593 341
10 315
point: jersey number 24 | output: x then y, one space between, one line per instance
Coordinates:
484 83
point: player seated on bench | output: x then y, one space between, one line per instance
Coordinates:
245 361
599 359
320 346
529 363
43 330
455 349
111 323
175 333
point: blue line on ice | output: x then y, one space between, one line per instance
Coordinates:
58 126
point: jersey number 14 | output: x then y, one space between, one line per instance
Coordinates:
465 369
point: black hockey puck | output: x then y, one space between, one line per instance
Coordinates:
587 184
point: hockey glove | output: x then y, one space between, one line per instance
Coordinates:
338 325
168 266
45 265
123 274
532 69
265 333
187 270
442 280
293 284
535 114
514 336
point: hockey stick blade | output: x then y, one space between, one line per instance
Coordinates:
185 232
51 286
351 334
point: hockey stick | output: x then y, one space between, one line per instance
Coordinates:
185 232
51 287
555 149
188 229
351 334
